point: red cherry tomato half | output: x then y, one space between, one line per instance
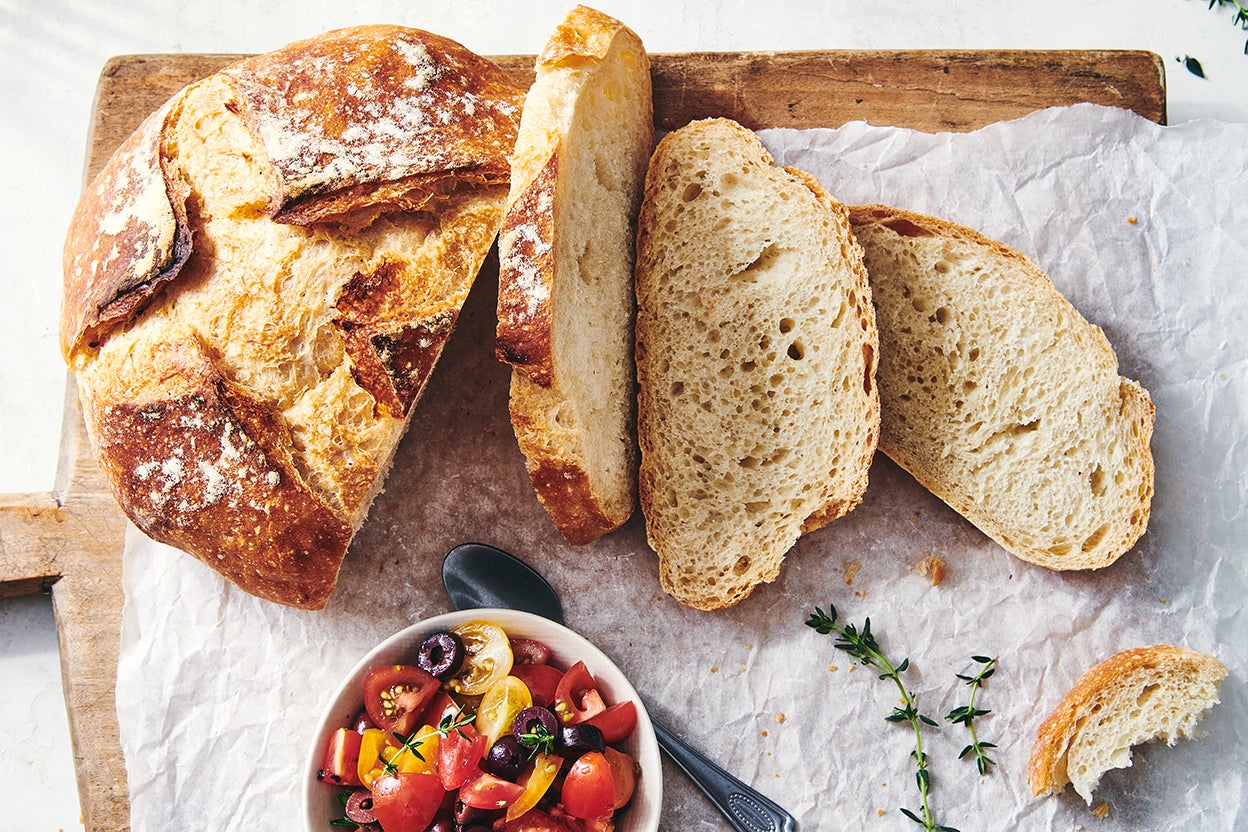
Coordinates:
542 680
616 722
406 802
588 788
342 757
577 697
395 696
490 792
459 756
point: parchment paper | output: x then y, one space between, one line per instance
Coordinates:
217 692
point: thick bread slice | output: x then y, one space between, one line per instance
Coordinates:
1132 697
756 349
258 285
565 298
1000 398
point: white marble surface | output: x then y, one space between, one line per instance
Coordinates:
51 52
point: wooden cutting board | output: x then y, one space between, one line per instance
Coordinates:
68 543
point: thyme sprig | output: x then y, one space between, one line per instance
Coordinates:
967 713
861 644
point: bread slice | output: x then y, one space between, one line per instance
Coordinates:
565 298
1132 697
756 350
259 283
1000 398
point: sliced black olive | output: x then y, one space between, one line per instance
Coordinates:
441 655
575 740
506 757
530 720
360 806
469 816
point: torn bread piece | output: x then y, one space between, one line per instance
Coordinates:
1135 696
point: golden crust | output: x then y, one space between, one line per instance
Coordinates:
585 34
563 486
1046 767
202 466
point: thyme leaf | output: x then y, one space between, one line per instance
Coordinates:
456 722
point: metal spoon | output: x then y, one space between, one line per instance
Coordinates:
476 575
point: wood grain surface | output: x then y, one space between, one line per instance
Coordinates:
69 542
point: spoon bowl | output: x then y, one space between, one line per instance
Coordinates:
474 573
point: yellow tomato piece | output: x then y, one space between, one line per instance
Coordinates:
545 768
505 699
371 744
487 657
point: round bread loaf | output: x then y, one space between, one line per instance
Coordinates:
259 283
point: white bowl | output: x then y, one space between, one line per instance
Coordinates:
320 804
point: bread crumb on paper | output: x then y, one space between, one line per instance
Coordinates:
780 717
834 667
1101 810
932 568
851 570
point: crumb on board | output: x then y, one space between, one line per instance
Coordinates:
851 570
879 813
1100 810
780 717
932 568
763 732
834 667
1132 220
715 668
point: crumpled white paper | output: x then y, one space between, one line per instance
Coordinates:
1142 227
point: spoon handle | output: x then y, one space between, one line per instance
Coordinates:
746 809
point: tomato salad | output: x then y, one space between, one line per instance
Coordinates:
482 733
